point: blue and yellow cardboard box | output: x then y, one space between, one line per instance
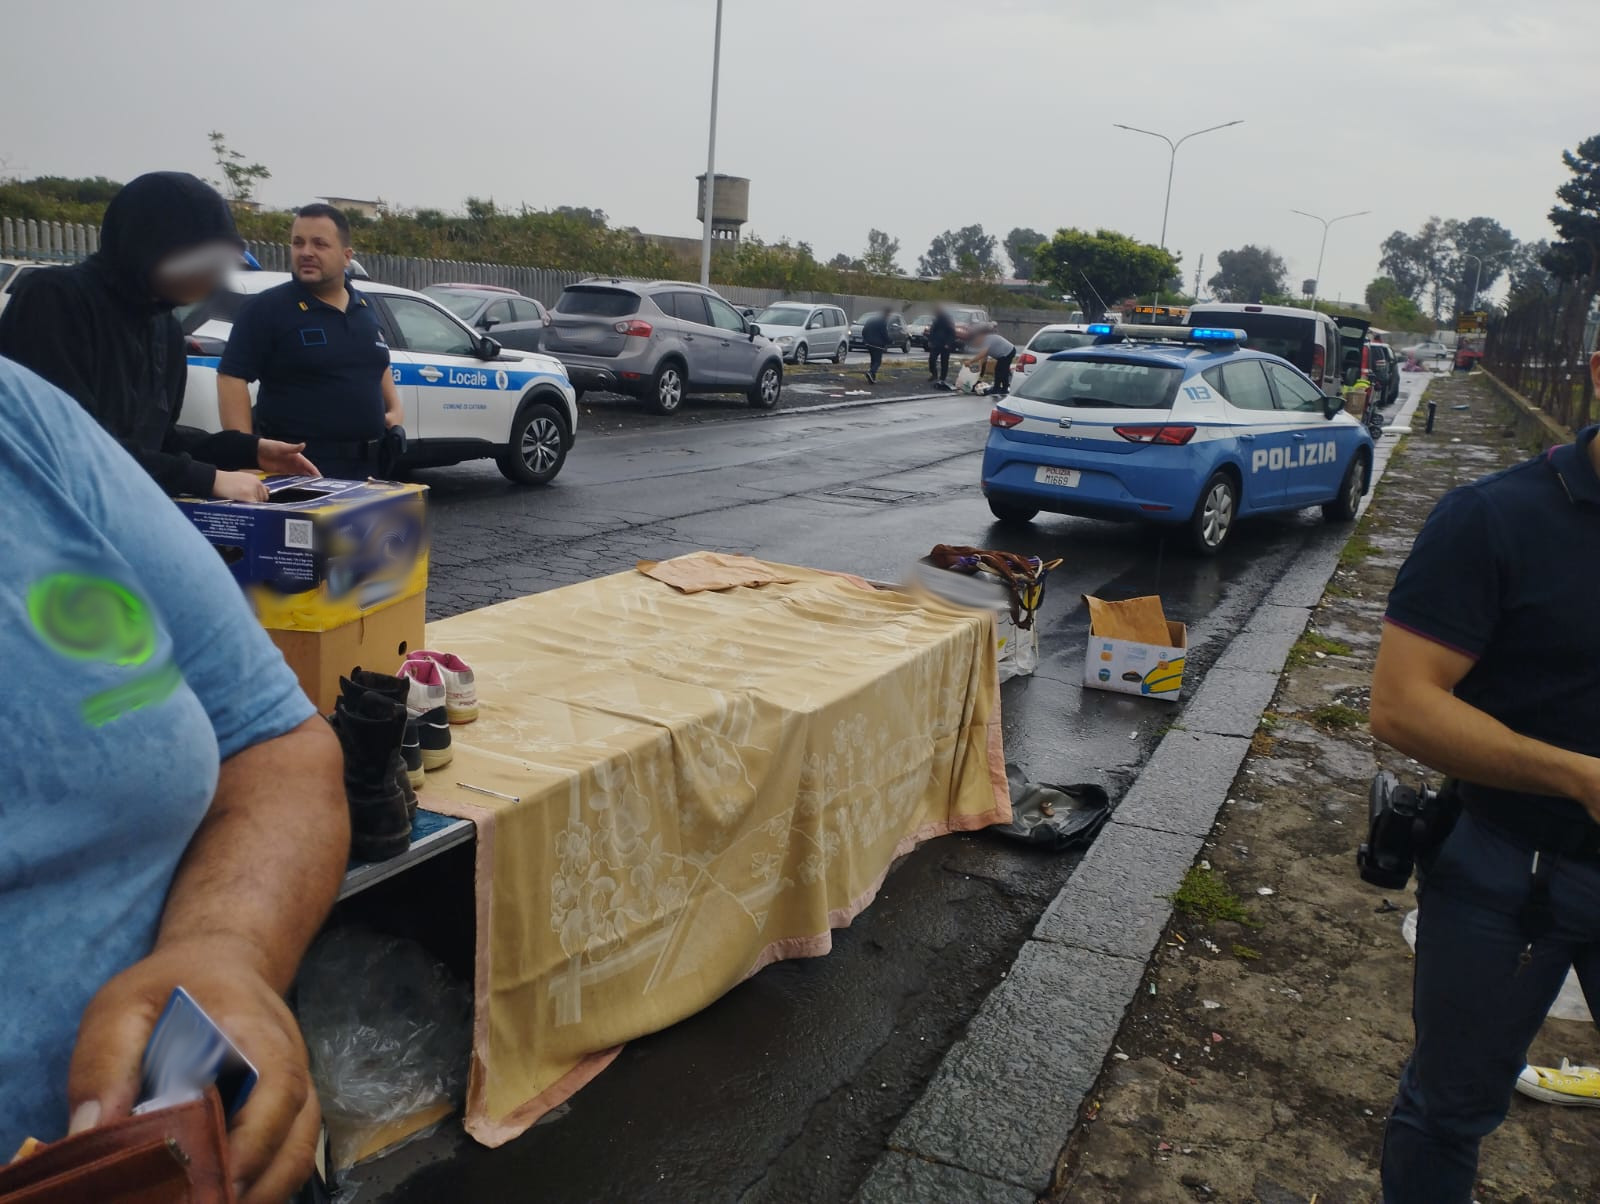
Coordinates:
321 553
1134 648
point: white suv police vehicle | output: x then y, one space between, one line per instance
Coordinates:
466 397
1174 425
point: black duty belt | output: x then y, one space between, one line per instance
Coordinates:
342 449
1522 819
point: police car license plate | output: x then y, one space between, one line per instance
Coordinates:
1067 478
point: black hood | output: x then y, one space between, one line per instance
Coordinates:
155 215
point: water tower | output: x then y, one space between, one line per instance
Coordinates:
730 206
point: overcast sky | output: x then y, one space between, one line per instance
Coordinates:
845 114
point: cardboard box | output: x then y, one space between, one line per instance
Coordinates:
1134 649
321 552
378 640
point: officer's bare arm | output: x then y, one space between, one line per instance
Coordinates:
233 403
394 414
1415 710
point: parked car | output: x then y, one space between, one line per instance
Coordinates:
899 336
1430 352
466 397
1379 365
1046 341
516 321
13 272
917 328
806 331
662 341
1307 338
1467 355
1184 428
969 320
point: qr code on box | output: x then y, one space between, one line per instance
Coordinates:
297 533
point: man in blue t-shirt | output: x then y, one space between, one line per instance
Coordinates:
317 347
1489 671
173 811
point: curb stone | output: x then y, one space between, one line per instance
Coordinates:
1003 1103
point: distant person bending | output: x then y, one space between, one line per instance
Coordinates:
315 345
994 348
941 342
875 334
103 332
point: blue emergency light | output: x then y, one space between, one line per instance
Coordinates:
1216 334
1100 328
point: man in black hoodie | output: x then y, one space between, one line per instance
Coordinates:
103 332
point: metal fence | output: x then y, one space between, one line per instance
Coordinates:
65 242
1542 347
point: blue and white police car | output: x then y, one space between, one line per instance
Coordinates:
465 396
1175 425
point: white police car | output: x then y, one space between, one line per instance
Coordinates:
465 397
1174 425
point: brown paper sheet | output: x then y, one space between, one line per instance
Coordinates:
700 571
1138 619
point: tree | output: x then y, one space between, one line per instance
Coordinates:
1416 262
582 213
881 254
965 252
1492 243
239 178
1381 292
1577 217
1022 245
843 263
1101 268
1249 274
1529 278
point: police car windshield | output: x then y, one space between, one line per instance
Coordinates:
1113 384
463 305
1051 341
781 317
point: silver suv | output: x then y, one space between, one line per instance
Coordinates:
661 340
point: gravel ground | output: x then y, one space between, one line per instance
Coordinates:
1258 1061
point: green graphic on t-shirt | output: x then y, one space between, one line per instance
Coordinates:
90 618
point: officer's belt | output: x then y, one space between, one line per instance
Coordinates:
1522 819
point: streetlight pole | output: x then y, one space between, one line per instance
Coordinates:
1477 278
711 155
1322 250
1172 160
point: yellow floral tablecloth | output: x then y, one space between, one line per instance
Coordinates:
707 783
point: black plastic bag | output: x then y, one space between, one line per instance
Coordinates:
1053 817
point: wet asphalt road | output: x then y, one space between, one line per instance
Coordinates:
786 1089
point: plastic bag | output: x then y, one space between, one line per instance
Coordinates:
967 380
1570 1004
389 1031
1053 817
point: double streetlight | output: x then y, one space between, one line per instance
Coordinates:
1316 283
1172 160
1477 278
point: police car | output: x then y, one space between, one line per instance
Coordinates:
465 397
1175 425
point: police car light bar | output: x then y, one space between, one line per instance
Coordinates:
1147 332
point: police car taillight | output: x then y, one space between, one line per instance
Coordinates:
634 327
1004 419
1172 436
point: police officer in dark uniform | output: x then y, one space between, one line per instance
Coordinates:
317 348
1489 672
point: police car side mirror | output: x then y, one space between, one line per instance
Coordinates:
1332 404
488 349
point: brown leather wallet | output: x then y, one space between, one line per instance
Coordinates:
175 1156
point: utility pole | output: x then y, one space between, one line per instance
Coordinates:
1198 270
1326 222
711 155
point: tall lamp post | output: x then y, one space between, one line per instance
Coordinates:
1172 160
711 154
1477 278
1326 222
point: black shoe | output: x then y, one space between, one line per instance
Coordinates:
396 689
433 737
411 753
370 729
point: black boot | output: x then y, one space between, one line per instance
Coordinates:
370 729
397 689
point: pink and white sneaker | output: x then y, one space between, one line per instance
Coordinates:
461 688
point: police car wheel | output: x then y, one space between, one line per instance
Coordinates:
841 353
769 385
1351 490
1012 514
1214 514
537 448
801 354
666 387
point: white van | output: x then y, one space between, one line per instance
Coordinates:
1308 339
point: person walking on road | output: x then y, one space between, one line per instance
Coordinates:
1502 577
875 334
103 332
994 348
941 342
316 346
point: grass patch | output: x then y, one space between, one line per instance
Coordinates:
1356 552
1246 954
1263 745
1203 895
1312 642
1337 717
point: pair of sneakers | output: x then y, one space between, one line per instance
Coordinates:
441 691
